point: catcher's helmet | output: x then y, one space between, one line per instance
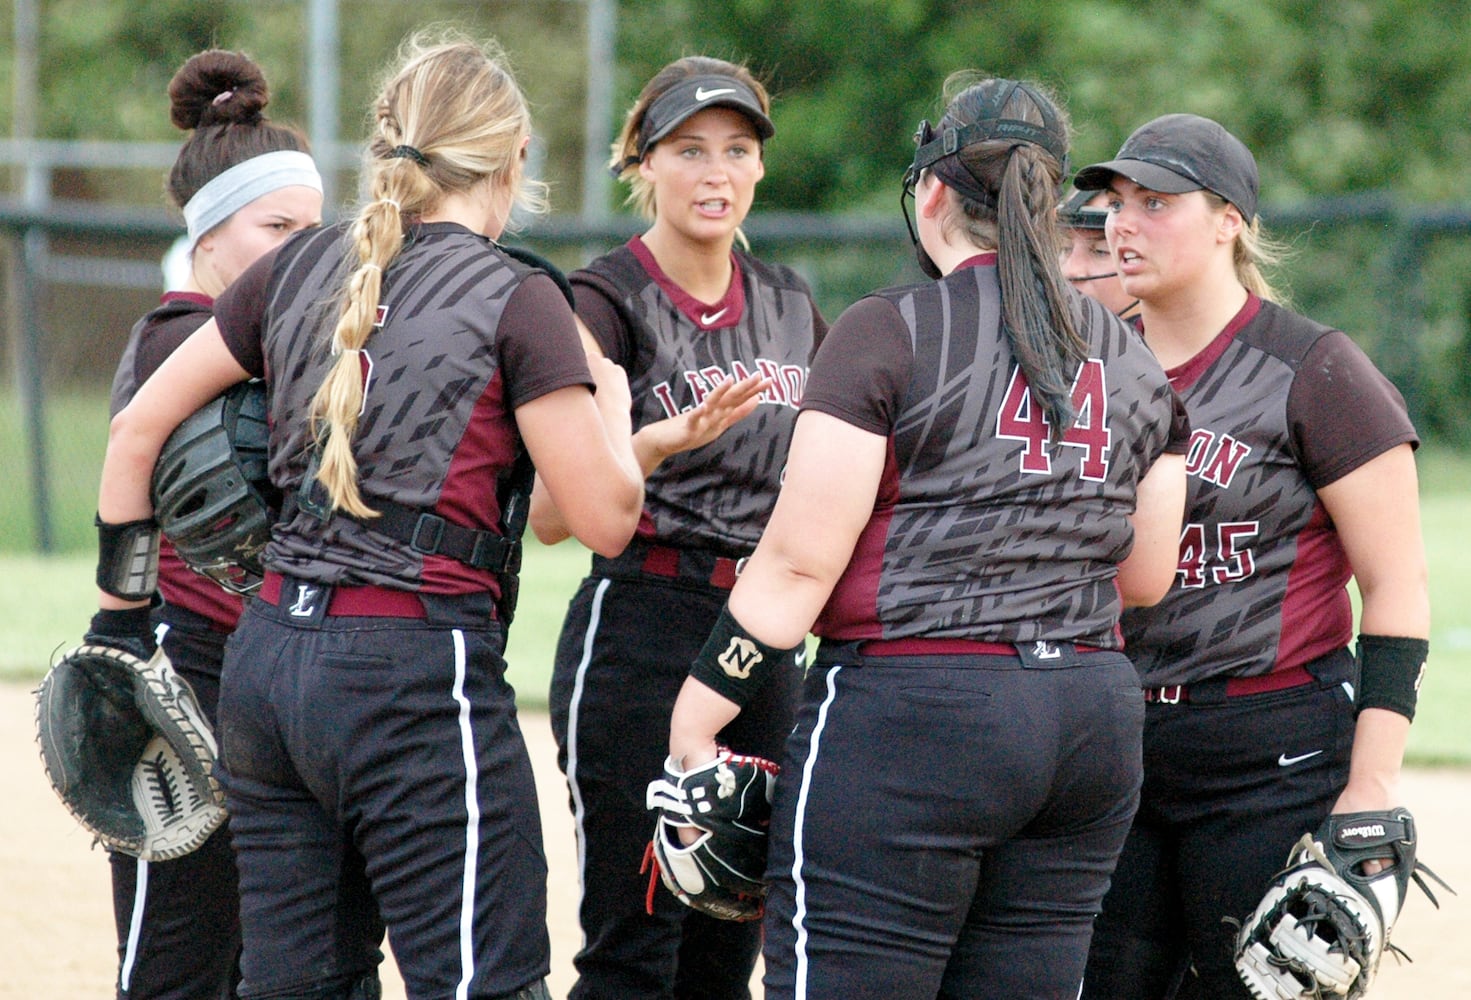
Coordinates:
212 496
1076 213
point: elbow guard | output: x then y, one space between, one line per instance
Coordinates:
127 559
734 663
1390 671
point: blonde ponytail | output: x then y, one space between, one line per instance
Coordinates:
449 118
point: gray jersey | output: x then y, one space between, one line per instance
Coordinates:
464 335
1280 406
982 529
676 350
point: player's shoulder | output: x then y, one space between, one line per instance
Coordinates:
619 264
1114 340
898 293
181 308
1282 333
312 243
772 274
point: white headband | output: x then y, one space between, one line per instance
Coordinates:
229 192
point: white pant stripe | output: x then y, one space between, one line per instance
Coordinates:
472 824
578 811
135 925
799 916
140 884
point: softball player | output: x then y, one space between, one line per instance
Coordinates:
716 344
1259 722
985 467
1086 260
370 753
244 185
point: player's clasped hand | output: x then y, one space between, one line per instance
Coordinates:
726 802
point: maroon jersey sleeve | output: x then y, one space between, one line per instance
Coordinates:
539 347
166 337
862 368
1342 411
1178 443
239 311
601 317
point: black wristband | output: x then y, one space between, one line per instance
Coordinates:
127 558
1390 670
122 621
734 663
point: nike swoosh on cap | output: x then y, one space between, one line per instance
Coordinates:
701 94
1286 761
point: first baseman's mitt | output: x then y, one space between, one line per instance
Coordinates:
129 752
729 801
1324 924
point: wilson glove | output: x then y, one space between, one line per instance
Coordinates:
1324 924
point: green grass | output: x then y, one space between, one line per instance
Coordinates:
76 436
1440 732
46 603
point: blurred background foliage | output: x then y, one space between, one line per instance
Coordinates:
1357 111
1333 97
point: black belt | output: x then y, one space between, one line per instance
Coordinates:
432 535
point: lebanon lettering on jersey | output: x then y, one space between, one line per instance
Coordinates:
1221 552
1215 457
787 383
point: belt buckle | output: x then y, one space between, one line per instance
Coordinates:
1163 695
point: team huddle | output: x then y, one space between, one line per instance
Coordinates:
1072 521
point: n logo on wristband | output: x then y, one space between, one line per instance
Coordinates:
739 658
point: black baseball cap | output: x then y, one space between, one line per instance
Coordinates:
688 97
1076 213
1179 153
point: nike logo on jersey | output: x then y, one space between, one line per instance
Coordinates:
701 94
1286 761
707 318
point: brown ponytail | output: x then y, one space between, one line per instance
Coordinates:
1022 180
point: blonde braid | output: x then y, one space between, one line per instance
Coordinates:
455 104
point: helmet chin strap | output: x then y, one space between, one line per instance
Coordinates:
1122 313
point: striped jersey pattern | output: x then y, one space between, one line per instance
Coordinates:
717 497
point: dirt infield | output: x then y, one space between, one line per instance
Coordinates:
57 943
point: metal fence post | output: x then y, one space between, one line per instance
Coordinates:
31 379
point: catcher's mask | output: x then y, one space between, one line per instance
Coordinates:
212 496
936 149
